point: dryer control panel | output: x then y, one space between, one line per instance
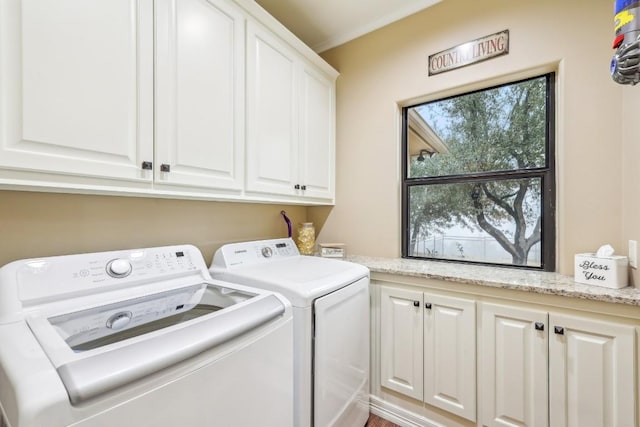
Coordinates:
248 253
95 272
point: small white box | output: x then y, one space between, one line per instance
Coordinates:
610 272
332 250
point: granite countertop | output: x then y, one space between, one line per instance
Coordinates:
497 277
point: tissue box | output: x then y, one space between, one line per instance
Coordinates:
610 272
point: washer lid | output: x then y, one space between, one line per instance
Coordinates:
94 354
301 279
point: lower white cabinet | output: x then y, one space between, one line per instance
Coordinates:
514 360
549 369
536 367
401 339
591 373
429 349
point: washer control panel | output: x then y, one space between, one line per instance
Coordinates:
119 320
88 325
86 273
247 253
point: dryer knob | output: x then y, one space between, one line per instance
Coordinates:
267 252
119 268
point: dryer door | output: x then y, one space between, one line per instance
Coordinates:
341 357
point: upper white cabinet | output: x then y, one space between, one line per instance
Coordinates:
290 120
211 99
199 94
272 111
76 87
317 134
428 348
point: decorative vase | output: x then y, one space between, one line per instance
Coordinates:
306 239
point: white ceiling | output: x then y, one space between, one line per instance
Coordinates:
323 24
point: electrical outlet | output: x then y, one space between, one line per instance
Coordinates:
633 253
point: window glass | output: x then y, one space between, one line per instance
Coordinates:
497 129
479 183
473 229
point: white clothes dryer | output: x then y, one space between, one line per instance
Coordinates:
140 338
330 301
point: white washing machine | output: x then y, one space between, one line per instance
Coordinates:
140 338
330 301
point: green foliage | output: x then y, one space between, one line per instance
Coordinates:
500 129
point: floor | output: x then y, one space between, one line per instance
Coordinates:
375 421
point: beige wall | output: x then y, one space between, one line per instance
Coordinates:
631 169
597 172
383 70
43 224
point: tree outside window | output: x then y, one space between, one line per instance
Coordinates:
479 181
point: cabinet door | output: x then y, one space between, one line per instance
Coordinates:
317 135
450 354
401 341
200 93
272 119
76 87
513 372
591 373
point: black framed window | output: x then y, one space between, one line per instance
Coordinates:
479 176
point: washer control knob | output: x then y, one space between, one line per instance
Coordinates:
119 320
119 268
267 252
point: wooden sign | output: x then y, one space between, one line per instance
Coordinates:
469 53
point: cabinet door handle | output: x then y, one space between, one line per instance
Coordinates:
147 166
165 168
558 330
427 305
539 326
416 303
297 186
304 187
